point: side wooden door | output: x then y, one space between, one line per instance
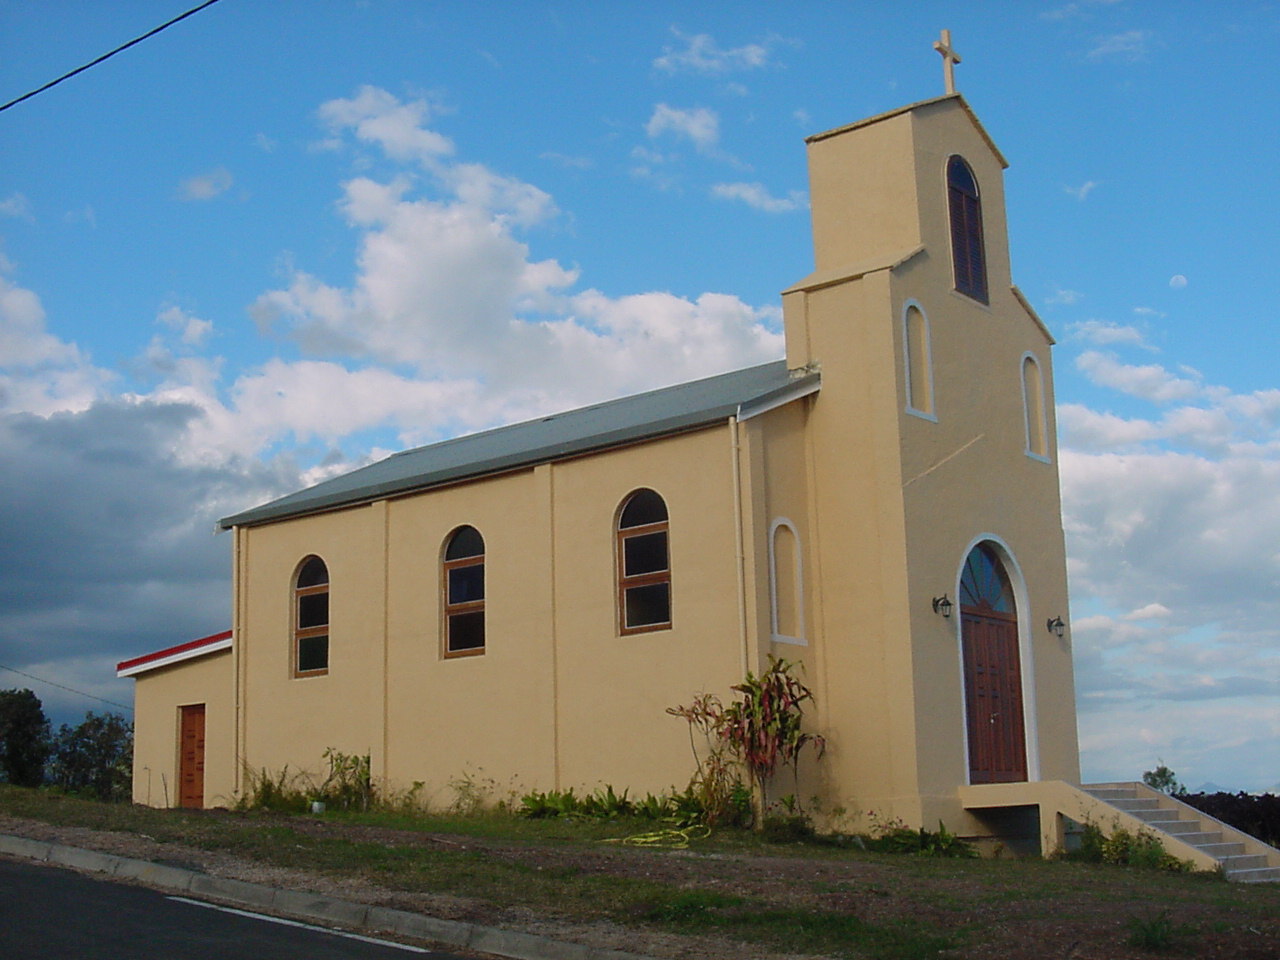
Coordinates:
191 757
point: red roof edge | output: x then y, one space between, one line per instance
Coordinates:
182 651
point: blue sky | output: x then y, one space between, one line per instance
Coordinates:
279 239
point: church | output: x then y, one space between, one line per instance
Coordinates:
522 605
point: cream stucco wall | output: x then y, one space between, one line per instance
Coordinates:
158 698
558 698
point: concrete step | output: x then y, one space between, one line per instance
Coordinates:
1136 806
1176 820
1153 813
1220 850
1245 861
1260 875
1176 828
1111 794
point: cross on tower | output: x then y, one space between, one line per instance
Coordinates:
949 59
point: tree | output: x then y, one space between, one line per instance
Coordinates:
24 738
1164 780
95 758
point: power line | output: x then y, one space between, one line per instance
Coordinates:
108 56
32 676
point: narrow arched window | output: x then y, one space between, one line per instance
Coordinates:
919 362
968 255
644 564
311 618
1033 408
786 583
463 587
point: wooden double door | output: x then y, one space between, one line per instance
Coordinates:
992 671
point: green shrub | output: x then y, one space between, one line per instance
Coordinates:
1122 848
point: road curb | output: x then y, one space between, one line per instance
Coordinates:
302 905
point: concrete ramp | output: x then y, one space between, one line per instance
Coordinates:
1185 832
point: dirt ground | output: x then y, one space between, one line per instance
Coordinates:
1032 927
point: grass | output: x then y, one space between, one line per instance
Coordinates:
881 906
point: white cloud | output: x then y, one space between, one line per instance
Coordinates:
16 205
39 373
376 117
1087 429
1152 611
701 54
568 161
1172 524
192 330
699 125
1149 381
755 195
1082 192
1105 333
85 214
1064 297
1130 45
206 186
446 288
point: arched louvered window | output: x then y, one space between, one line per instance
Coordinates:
968 255
463 588
311 618
644 564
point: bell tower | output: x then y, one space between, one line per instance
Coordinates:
932 454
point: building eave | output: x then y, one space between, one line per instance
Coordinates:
912 107
175 654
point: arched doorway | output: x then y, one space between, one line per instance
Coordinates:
992 670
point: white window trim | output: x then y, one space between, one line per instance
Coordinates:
798 574
932 417
1026 408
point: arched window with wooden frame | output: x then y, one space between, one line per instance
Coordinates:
644 564
1033 408
311 618
462 586
968 253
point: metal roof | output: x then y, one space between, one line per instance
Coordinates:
684 406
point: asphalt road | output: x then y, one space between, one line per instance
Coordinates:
51 913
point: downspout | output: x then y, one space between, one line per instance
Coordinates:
237 662
735 449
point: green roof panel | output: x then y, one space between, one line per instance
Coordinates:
626 420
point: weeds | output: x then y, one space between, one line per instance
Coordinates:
283 792
349 785
1157 932
893 836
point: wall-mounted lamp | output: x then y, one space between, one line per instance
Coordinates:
942 605
1056 626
